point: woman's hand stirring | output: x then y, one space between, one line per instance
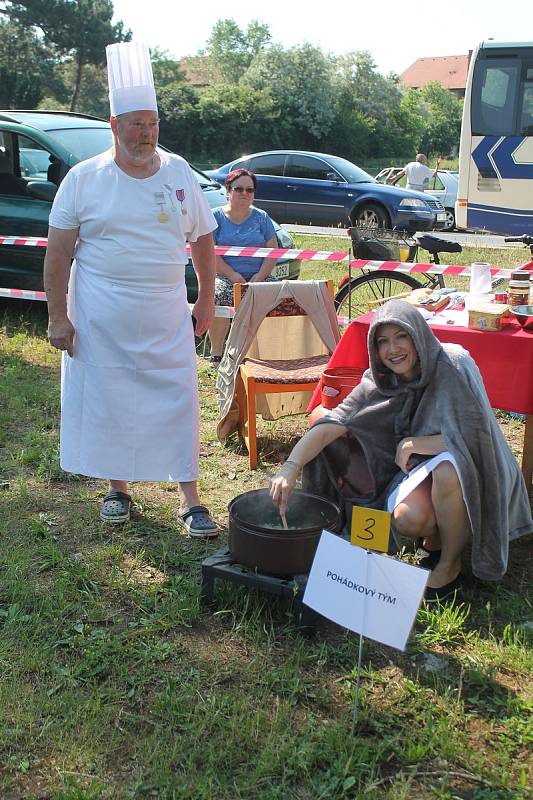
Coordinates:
282 486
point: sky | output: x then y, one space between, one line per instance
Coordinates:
395 32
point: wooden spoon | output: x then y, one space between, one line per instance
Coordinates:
284 522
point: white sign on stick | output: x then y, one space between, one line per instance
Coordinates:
366 592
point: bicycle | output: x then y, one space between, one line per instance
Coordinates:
357 295
372 286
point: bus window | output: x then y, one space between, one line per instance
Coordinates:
495 93
526 116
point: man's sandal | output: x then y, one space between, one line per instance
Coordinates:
198 523
116 508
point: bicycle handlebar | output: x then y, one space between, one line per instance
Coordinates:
524 239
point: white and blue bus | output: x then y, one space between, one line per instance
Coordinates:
496 152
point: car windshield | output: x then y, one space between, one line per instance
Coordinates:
83 143
349 171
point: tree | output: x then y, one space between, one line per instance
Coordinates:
93 91
443 126
231 50
414 121
179 118
370 119
235 119
299 81
166 70
77 29
25 68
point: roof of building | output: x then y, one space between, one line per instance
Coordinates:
451 71
198 70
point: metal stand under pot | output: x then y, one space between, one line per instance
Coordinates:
222 565
265 556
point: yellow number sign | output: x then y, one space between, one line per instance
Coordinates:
370 528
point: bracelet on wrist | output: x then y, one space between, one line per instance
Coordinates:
294 464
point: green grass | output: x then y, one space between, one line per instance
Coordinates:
116 683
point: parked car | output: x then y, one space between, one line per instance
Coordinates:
443 186
319 189
37 149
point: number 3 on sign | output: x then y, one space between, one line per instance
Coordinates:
370 528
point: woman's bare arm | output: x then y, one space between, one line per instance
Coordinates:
310 445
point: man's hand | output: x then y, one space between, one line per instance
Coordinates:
204 314
61 334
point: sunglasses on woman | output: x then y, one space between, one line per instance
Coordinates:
241 189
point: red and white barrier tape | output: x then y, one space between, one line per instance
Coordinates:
220 250
282 252
27 294
431 269
310 255
22 294
25 241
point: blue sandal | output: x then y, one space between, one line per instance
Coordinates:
116 507
198 523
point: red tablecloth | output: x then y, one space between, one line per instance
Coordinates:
504 358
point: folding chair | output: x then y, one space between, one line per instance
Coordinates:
259 377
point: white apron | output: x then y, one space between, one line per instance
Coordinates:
129 401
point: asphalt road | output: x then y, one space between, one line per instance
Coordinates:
467 239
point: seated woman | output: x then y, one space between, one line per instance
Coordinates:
240 224
419 398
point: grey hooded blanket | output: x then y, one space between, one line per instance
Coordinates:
449 398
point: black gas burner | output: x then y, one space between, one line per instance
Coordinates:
222 565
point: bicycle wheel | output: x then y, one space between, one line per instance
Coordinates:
352 299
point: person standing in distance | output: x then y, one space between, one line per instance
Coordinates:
418 173
129 388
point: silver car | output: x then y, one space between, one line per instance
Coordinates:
443 186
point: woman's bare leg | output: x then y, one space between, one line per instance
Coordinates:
452 523
436 508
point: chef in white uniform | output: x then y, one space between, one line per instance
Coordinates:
129 388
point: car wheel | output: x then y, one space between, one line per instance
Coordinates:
450 220
370 215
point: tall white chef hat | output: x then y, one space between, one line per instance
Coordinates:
131 82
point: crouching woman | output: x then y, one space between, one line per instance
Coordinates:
418 399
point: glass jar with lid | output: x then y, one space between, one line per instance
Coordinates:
519 286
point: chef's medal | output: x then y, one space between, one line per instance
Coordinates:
160 201
180 194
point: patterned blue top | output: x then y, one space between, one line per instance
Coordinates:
255 231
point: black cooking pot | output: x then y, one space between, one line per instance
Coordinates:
258 540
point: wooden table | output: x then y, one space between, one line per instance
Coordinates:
504 358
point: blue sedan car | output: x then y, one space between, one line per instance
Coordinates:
319 189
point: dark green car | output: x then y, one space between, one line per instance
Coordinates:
37 149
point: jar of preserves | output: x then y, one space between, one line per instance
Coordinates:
519 292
